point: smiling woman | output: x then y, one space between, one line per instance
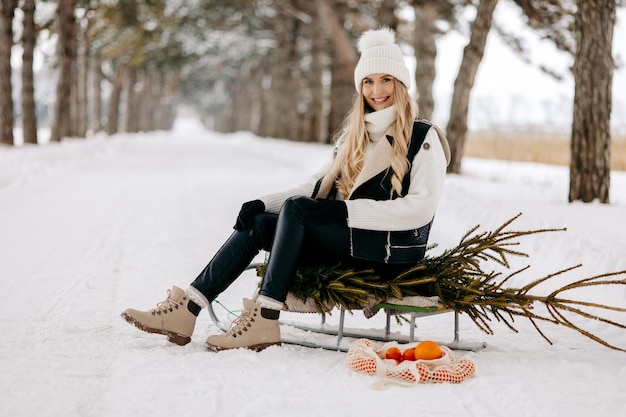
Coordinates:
378 91
371 205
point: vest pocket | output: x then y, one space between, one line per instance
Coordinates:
407 246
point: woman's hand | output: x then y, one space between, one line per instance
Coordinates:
328 211
246 214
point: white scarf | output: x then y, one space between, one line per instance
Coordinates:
379 122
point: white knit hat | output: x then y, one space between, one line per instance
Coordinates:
380 55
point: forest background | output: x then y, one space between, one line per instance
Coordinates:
283 69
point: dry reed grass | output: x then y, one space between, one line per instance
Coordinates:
534 147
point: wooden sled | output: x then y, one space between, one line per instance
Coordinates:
338 337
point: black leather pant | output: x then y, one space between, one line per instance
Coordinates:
291 242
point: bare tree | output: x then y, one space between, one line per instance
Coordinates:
593 76
472 56
551 19
6 91
29 111
66 24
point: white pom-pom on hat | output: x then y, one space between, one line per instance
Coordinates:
372 38
380 55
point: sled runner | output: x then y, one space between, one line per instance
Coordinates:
339 337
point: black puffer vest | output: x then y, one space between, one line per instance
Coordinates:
391 247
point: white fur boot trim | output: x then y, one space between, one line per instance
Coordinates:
197 297
267 302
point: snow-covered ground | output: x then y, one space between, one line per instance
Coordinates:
91 227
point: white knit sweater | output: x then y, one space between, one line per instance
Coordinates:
412 211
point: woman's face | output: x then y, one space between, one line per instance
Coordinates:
377 89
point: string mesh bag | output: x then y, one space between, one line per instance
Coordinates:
368 357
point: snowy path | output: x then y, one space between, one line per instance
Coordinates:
92 227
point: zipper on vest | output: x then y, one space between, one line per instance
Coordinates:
388 248
351 244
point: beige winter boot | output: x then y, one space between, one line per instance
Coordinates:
172 317
250 330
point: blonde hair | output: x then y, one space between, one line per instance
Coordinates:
356 138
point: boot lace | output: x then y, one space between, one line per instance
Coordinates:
241 324
168 305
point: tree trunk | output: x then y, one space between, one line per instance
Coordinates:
316 86
132 102
166 111
66 23
472 55
590 164
96 93
241 101
285 76
341 96
80 76
228 114
113 114
29 111
154 97
256 101
144 102
345 52
6 89
344 61
386 14
425 55
266 100
307 79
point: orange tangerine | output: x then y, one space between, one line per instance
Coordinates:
409 355
428 350
393 353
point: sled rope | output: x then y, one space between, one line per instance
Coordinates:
218 302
